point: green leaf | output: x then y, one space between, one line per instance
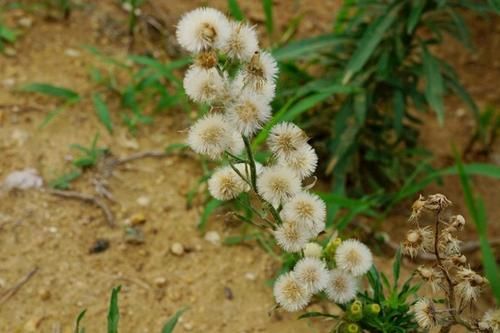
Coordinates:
114 311
476 209
102 112
416 13
396 268
51 90
267 5
175 146
78 320
63 182
7 34
172 322
370 40
317 314
207 211
235 10
307 46
434 88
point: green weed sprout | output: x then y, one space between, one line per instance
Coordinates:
237 81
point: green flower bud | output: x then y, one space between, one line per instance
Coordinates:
372 309
355 311
331 247
350 328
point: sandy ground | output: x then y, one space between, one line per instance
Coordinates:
224 287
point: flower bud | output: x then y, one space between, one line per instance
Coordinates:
355 311
332 246
349 328
313 250
372 309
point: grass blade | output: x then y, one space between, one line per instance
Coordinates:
476 209
434 87
308 46
78 320
114 311
267 5
51 90
370 40
102 112
207 211
172 322
235 10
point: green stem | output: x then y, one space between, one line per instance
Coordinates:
253 172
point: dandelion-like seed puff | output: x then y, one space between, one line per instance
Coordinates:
354 257
277 185
312 272
308 209
341 287
290 294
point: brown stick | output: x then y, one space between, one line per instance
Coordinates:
12 291
86 198
140 155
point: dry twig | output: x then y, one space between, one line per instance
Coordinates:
86 198
12 291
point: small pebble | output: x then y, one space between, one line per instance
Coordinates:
137 219
134 236
228 293
44 294
72 53
10 52
250 276
177 249
188 326
25 22
160 282
143 201
100 245
213 237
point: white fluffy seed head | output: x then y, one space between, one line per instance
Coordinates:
202 29
425 313
291 236
248 113
308 209
210 136
225 184
312 273
341 287
354 257
290 294
236 144
265 91
277 184
286 138
313 250
242 43
262 66
303 161
204 85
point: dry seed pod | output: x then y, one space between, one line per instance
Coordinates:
437 202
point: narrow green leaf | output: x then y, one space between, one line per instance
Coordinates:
307 46
78 320
7 34
50 116
396 268
207 211
399 111
63 182
267 5
317 314
172 322
235 10
370 40
175 146
102 112
114 311
434 88
51 90
416 13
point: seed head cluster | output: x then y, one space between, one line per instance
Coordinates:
236 79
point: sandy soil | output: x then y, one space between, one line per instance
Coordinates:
224 287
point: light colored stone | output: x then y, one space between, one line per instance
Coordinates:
177 249
143 201
250 276
213 237
160 282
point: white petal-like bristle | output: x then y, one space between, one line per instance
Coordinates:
286 138
204 85
290 294
202 29
211 136
354 257
308 209
243 42
313 250
312 272
226 184
425 313
291 236
264 91
303 161
236 143
277 184
248 113
341 287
